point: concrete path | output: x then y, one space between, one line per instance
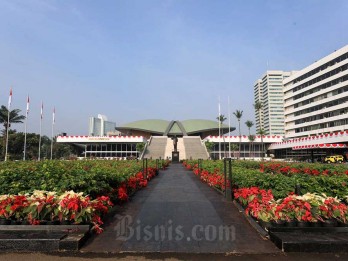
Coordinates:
178 213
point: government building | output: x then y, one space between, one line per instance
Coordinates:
315 109
268 90
157 136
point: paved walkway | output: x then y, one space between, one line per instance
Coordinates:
178 213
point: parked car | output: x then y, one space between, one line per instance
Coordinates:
334 159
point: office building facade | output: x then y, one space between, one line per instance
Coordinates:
269 91
100 126
315 98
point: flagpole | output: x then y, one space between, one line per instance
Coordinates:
39 158
53 122
219 130
229 128
25 129
8 122
25 136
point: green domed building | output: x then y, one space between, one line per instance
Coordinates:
156 127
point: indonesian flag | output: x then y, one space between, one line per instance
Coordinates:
27 105
10 98
54 116
41 110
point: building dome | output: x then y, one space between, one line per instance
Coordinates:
157 127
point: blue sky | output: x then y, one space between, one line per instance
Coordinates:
151 59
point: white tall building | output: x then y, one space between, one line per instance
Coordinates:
269 91
316 98
100 126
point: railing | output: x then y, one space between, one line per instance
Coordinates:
145 148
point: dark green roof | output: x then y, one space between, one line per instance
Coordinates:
156 126
173 127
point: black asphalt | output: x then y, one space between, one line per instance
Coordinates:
178 213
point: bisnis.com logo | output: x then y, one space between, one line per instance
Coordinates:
126 230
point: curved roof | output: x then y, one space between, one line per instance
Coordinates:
152 125
174 127
196 125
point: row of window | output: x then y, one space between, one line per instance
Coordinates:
321 77
322 87
323 67
322 116
323 125
324 105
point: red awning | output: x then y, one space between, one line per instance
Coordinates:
320 146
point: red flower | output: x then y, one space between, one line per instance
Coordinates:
132 182
122 193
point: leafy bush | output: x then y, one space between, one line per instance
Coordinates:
93 177
245 174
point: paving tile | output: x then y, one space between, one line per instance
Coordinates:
177 212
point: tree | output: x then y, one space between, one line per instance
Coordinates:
261 132
233 147
258 107
209 145
239 115
140 147
251 147
7 119
16 141
221 120
64 151
14 117
249 124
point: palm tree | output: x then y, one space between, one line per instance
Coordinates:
258 107
239 115
249 124
233 147
7 119
251 147
221 120
261 132
14 117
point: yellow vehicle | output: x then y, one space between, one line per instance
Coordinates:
334 159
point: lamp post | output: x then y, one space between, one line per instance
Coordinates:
228 183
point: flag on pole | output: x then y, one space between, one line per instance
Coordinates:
41 110
10 98
27 112
54 116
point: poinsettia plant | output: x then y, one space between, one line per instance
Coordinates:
41 206
74 207
294 208
333 208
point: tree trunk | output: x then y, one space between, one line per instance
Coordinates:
240 137
249 145
261 137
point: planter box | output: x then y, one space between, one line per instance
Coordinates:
310 239
42 238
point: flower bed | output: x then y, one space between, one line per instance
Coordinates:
316 169
41 207
283 207
307 210
93 177
26 200
247 174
